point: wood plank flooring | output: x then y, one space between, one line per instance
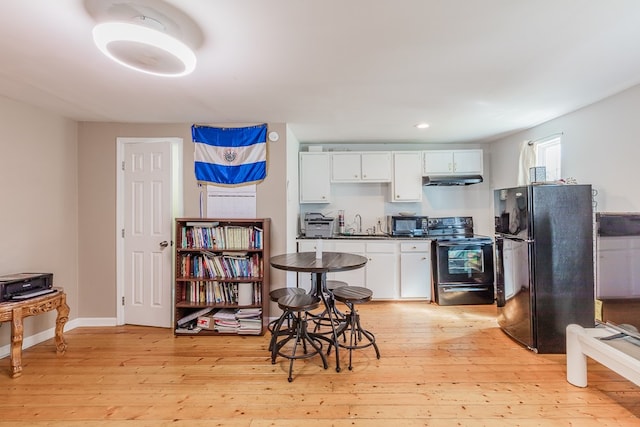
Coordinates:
440 366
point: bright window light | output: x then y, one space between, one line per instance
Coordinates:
548 154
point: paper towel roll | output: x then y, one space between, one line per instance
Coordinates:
245 293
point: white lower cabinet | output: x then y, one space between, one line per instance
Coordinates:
395 269
415 270
382 270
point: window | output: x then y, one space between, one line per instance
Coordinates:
548 154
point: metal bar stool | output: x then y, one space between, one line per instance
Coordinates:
297 308
274 296
350 296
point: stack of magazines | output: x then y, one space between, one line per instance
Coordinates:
249 320
225 321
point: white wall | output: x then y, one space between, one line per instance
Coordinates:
600 146
39 214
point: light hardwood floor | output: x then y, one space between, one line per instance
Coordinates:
440 366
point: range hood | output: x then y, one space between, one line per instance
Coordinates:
444 180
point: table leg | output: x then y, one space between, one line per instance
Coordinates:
17 331
321 287
61 320
576 359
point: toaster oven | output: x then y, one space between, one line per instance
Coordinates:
410 226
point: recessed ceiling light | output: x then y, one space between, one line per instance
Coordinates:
144 49
422 125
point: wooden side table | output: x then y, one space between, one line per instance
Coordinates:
16 311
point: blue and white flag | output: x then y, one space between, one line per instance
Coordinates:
230 155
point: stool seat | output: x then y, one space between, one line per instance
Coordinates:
276 294
353 294
335 284
299 302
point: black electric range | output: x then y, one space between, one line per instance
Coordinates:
462 262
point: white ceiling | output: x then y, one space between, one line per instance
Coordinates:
337 70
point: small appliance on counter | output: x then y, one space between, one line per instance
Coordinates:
317 225
407 225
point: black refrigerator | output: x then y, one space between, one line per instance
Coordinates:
544 263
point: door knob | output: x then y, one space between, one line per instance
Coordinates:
164 244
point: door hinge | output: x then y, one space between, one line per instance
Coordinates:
122 233
122 300
123 165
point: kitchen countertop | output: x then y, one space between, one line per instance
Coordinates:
365 237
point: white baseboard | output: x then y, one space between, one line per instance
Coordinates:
32 340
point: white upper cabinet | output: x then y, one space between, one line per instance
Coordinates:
447 162
376 166
407 179
361 167
315 182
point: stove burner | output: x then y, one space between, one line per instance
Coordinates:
462 239
454 229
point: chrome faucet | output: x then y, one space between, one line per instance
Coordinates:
359 219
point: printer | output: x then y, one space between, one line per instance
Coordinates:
20 286
317 225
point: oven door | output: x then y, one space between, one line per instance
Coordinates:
463 272
464 262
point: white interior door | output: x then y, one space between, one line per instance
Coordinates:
147 233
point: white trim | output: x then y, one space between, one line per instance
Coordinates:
176 204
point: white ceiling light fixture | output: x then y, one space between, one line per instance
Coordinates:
422 125
144 46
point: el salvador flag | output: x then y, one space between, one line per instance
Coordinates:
230 155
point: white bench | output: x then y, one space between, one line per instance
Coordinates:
620 356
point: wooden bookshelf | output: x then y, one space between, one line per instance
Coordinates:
221 270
